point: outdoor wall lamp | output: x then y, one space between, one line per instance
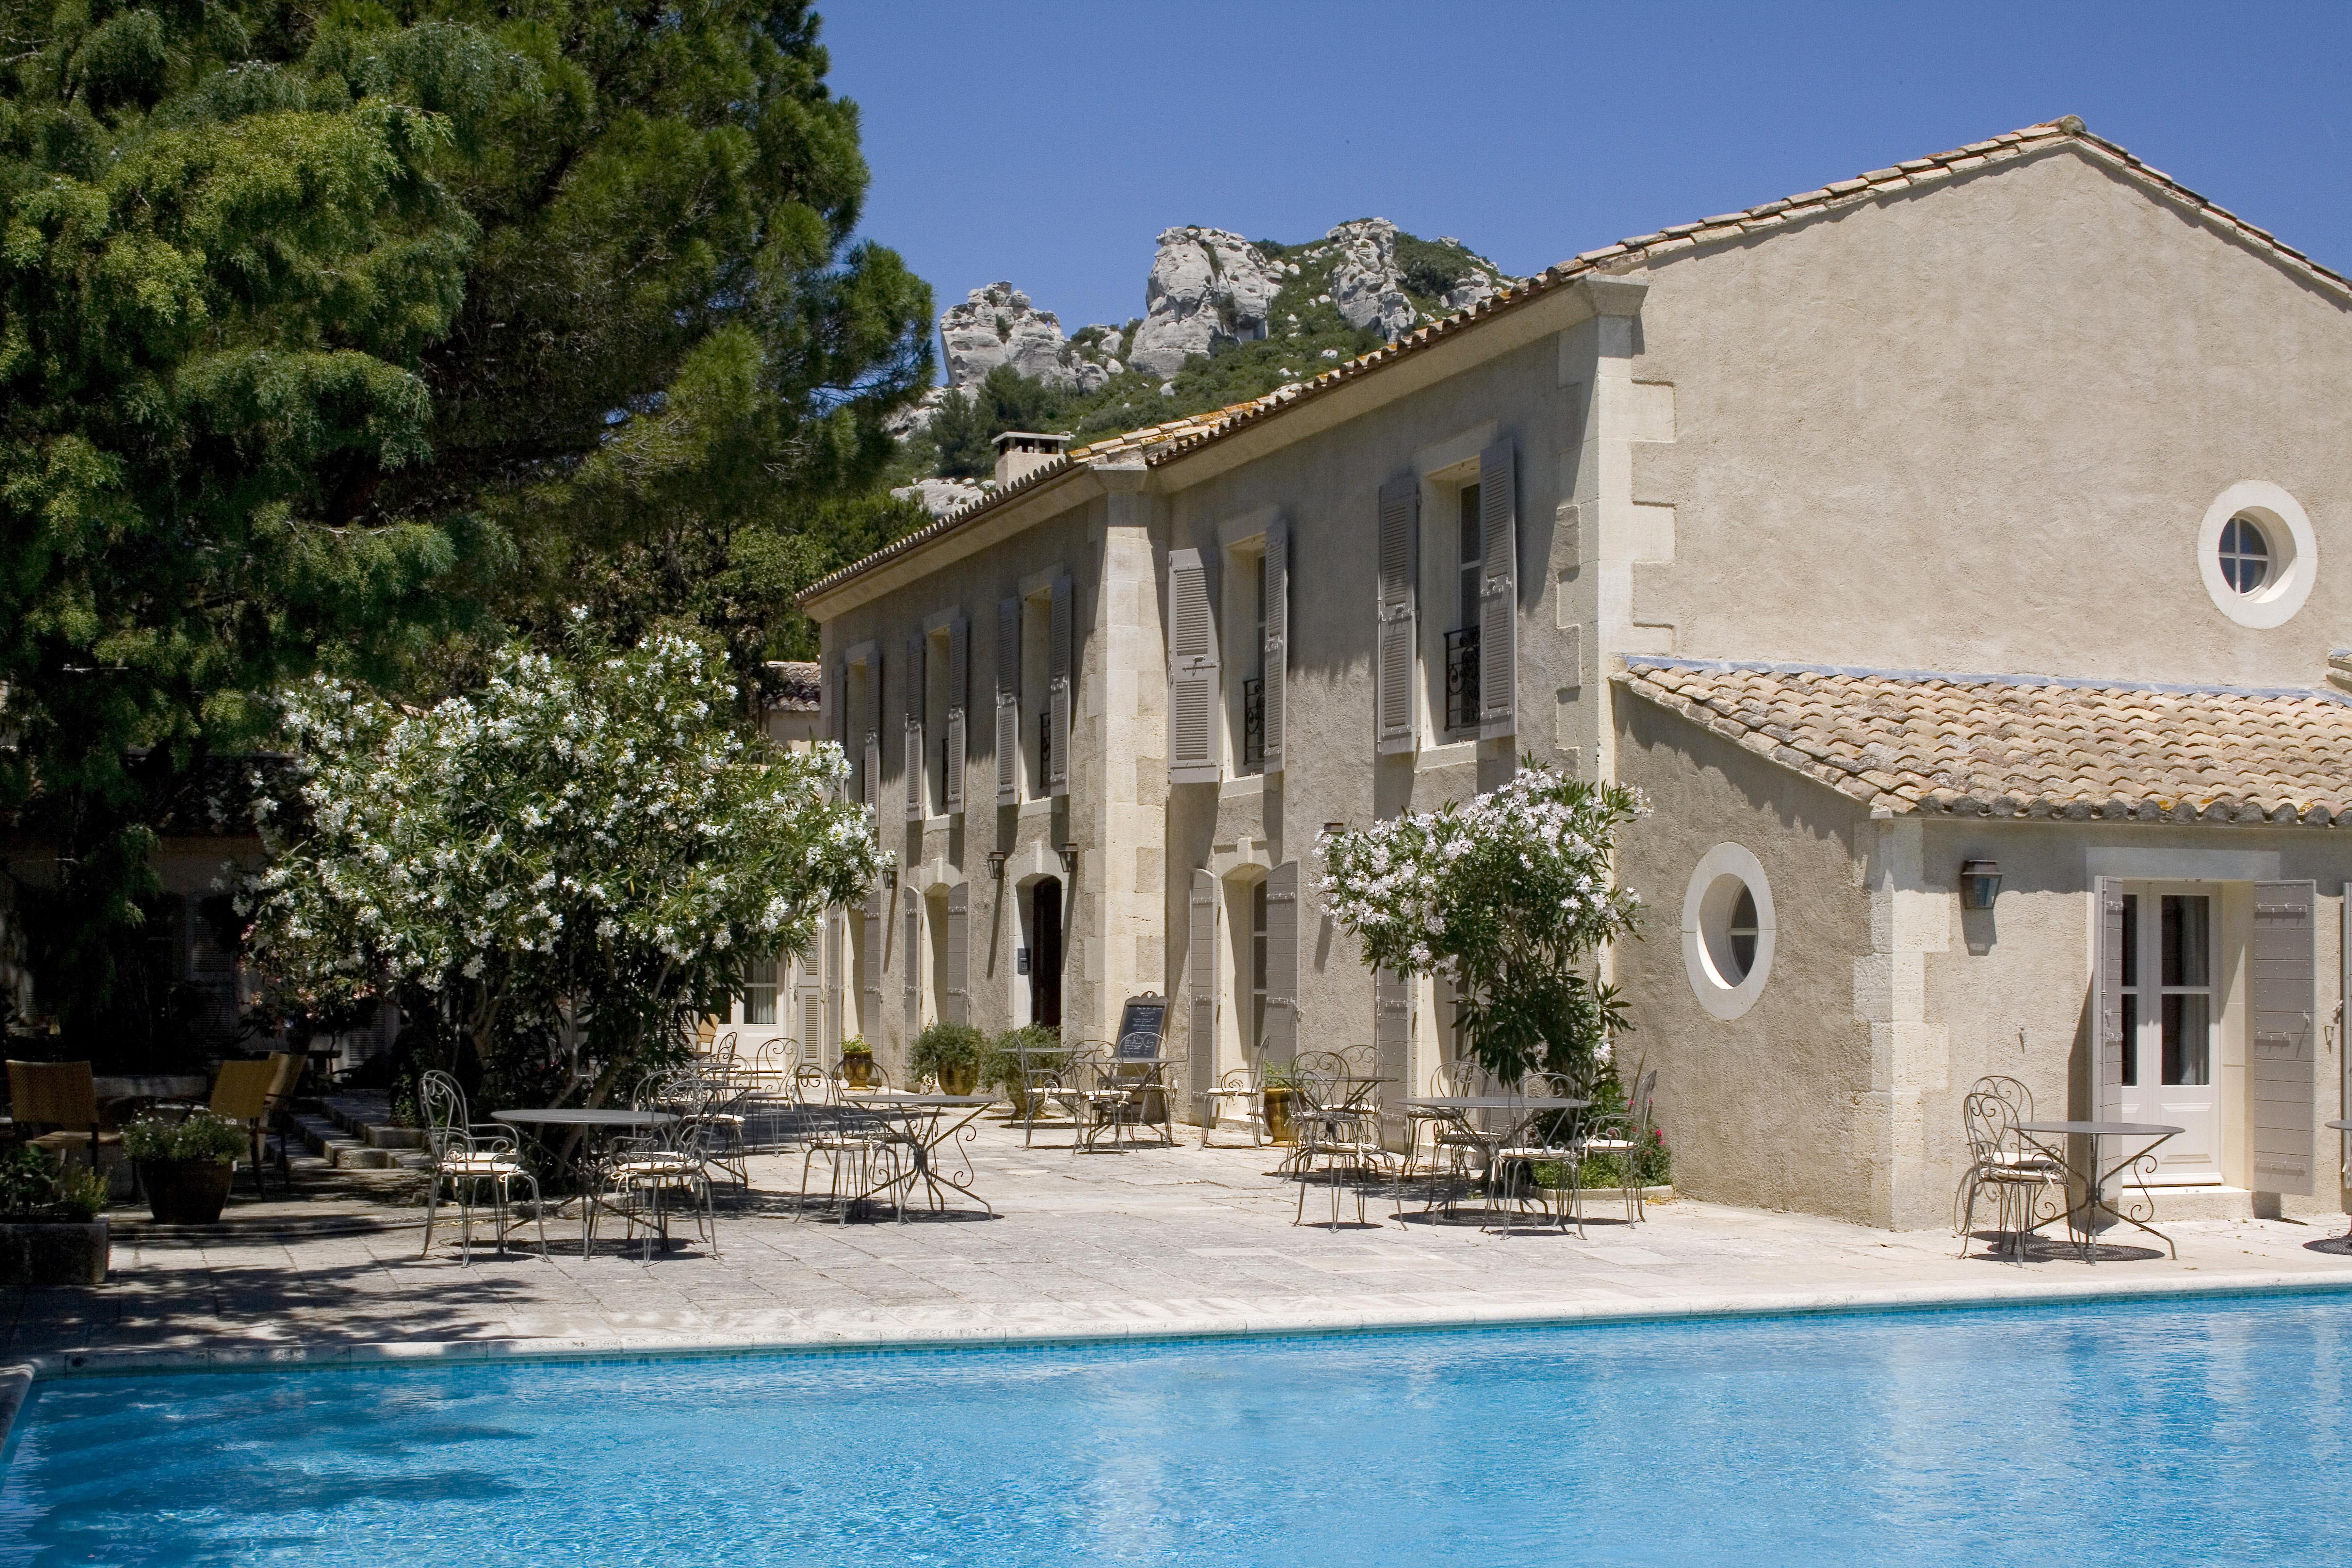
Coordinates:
996 859
1069 854
1979 883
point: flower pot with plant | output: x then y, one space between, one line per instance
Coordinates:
856 1064
1278 1085
51 1230
1003 1068
185 1166
952 1054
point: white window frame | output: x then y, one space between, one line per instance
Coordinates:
2294 546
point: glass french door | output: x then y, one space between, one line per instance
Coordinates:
2171 1016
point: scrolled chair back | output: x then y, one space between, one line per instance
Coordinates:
1989 1123
441 1103
2009 1092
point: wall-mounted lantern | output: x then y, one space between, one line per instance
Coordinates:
996 859
1979 883
1069 854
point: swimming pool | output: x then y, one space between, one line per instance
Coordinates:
2150 1432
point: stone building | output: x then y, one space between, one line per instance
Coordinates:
1978 510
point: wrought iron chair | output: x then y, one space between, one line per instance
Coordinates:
846 1136
2017 1185
1242 1086
1623 1135
641 1173
1336 1121
1549 1138
1121 1088
467 1158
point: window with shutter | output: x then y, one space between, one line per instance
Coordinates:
870 730
910 964
1499 602
917 646
956 755
1274 607
808 996
836 944
1200 957
1008 702
1396 644
1192 671
955 1003
1059 675
2108 1008
2286 998
869 1011
1281 1036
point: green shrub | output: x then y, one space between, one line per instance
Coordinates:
945 1046
34 1187
200 1137
854 1046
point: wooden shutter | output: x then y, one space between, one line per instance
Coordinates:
1273 657
1498 596
870 729
955 1007
1282 1032
2108 1013
1396 634
2285 1002
871 980
1008 702
958 698
808 995
832 701
836 943
910 979
917 651
1202 956
1058 676
1392 1028
1192 671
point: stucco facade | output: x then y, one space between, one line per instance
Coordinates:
1968 416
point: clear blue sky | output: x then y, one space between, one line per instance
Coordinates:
1048 144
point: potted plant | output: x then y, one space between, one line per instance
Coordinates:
950 1053
1278 1084
51 1232
185 1166
857 1063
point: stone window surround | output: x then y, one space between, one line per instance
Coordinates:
1708 901
2294 555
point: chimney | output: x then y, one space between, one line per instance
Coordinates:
1019 452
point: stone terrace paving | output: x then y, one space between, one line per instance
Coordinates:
1146 1240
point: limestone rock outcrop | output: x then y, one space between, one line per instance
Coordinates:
941 497
997 325
1366 286
1207 286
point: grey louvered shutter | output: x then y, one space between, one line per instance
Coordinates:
1008 702
2286 1001
1192 671
1392 1027
1275 656
918 648
833 701
808 994
871 980
836 943
1059 674
955 1007
1498 595
2109 1012
1282 1032
910 978
958 752
1397 633
1201 955
870 722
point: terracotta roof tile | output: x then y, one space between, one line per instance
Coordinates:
1918 742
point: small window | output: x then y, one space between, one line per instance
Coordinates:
1470 555
2245 555
1741 934
1257 966
1728 930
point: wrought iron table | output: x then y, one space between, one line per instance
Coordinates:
922 1134
2095 1174
1460 1107
597 1124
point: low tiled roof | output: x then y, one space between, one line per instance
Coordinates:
1164 443
1926 742
798 685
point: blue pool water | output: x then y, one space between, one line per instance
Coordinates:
2148 1433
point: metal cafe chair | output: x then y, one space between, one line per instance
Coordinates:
850 1139
641 1175
1990 1125
466 1159
1546 1138
1241 1086
1624 1134
1338 1124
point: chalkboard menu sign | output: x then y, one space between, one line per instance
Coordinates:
1142 1024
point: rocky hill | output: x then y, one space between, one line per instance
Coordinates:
1225 319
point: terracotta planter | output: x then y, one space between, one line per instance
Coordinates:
43 1254
857 1072
1277 1115
186 1192
959 1079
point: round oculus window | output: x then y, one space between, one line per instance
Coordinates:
1728 930
2257 554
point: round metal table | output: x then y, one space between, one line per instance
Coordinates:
1461 1107
2098 1174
